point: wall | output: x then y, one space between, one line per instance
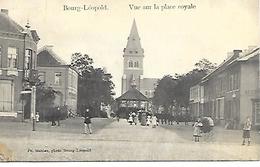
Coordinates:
249 83
18 41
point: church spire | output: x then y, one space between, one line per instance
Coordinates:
134 32
133 44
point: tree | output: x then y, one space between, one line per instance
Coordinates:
94 84
175 91
205 65
164 92
45 97
186 81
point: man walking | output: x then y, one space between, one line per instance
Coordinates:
87 122
246 131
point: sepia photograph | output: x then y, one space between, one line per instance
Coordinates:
129 81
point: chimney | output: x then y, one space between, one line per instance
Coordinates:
5 11
237 52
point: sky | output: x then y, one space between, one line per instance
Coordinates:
173 40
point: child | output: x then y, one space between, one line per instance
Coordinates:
154 121
246 131
148 120
130 120
196 132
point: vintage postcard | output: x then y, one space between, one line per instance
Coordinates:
129 80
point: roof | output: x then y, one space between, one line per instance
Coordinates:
35 36
243 56
8 25
133 95
133 42
249 55
47 57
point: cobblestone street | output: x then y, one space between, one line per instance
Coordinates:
119 141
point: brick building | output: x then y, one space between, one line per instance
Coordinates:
58 75
231 92
18 48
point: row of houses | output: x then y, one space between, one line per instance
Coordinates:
231 92
20 59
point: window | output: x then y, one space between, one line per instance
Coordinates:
0 56
130 64
12 57
136 51
130 51
146 93
6 96
231 86
28 59
41 76
57 77
235 81
136 64
257 113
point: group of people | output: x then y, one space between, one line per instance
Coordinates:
167 118
206 124
202 125
144 119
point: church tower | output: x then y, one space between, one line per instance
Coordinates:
133 61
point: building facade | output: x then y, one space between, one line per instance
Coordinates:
61 77
232 92
133 66
18 48
196 100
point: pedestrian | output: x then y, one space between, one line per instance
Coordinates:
154 121
87 122
130 119
117 117
246 131
135 118
196 132
211 125
148 121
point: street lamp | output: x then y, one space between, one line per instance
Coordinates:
32 78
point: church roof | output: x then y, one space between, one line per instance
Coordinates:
133 95
133 43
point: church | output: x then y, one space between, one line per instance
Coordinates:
133 66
